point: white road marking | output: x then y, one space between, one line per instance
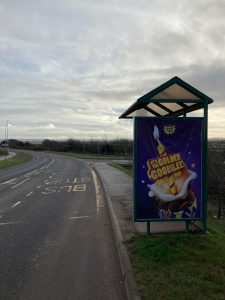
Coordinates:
99 200
38 187
38 171
28 174
28 195
9 181
80 217
13 187
11 223
17 203
50 177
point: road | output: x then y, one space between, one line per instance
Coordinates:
56 239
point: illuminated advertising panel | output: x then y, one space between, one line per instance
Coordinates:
168 169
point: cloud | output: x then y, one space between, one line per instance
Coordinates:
79 64
49 126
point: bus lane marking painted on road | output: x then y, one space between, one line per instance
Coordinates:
60 181
17 203
98 192
13 187
64 189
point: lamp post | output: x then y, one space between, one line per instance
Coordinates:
7 135
6 143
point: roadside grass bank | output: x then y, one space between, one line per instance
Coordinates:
180 266
127 168
19 158
89 156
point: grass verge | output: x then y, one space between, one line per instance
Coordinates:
15 160
127 168
88 156
180 266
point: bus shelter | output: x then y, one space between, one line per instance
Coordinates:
170 154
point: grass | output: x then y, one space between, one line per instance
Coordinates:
127 168
181 266
15 160
88 156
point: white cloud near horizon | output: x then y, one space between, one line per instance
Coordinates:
77 65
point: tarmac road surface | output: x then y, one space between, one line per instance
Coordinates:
56 239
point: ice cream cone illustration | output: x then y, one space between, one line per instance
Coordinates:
172 185
161 148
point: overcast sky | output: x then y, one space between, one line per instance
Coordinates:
69 68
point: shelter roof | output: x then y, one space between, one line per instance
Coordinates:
173 98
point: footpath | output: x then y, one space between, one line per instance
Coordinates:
118 188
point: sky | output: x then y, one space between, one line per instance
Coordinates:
69 68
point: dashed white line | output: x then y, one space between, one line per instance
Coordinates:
28 195
17 203
80 217
11 223
38 187
13 187
9 181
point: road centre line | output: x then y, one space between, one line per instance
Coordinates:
17 203
38 171
28 195
8 181
35 172
11 223
13 187
38 187
28 174
81 217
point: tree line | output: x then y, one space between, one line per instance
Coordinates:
121 147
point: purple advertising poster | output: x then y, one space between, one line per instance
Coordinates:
168 169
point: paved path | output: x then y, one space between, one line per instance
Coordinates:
119 186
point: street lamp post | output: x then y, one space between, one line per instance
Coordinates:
7 135
6 138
